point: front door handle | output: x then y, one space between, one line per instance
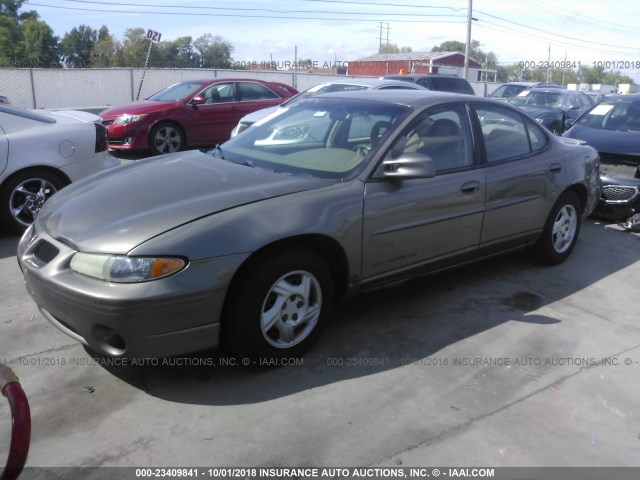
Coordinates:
470 187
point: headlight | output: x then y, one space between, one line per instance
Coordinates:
296 132
122 269
128 118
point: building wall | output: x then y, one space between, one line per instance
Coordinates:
379 68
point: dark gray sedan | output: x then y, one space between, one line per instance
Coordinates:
249 245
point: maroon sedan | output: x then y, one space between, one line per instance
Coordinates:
194 113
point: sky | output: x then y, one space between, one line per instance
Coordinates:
585 32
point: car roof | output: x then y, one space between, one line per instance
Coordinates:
370 82
630 97
522 84
421 75
412 98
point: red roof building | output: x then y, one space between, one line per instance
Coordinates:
414 62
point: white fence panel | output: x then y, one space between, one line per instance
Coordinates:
97 88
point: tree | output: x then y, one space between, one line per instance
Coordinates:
177 54
107 51
215 52
134 47
41 46
488 59
616 78
77 46
12 46
393 48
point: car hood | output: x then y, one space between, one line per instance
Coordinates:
535 111
115 211
616 142
142 106
253 117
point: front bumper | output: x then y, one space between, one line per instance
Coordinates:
166 317
620 198
128 136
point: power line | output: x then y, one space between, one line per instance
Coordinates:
244 15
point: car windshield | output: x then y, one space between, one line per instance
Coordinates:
534 98
614 115
176 92
322 137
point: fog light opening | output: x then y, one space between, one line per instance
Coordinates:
127 141
109 340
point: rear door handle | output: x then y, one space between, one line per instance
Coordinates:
555 168
470 187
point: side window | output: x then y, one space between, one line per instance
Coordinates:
220 93
249 92
586 101
443 134
506 134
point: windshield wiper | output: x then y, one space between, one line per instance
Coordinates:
246 163
217 152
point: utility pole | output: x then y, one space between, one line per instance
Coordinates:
467 48
387 27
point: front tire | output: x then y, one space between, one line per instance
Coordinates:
560 232
278 305
22 197
166 137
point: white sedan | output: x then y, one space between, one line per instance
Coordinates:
41 152
342 85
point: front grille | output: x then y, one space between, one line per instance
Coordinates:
45 251
616 193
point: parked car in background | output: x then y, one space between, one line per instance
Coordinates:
613 128
342 85
437 82
249 244
552 106
41 152
194 113
507 91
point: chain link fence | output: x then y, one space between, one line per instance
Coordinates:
94 89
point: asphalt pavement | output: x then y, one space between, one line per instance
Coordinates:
502 363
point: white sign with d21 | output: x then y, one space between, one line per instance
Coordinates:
153 35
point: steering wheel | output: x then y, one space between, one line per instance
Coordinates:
362 149
21 421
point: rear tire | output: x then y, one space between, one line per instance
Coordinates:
22 197
560 232
277 306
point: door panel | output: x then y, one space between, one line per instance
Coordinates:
520 176
422 220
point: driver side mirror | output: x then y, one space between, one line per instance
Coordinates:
198 100
408 165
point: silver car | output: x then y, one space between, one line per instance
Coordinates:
41 151
249 245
